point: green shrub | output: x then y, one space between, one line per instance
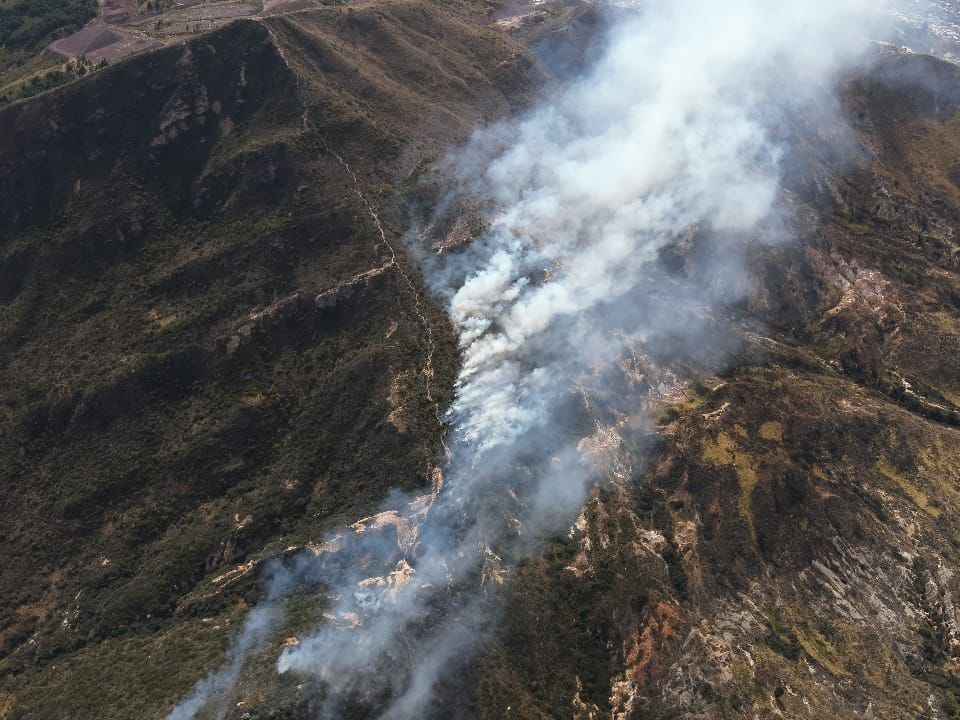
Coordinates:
31 25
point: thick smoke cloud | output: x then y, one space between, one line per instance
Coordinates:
671 134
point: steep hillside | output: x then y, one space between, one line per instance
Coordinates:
27 27
789 547
212 348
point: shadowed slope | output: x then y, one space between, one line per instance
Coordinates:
211 348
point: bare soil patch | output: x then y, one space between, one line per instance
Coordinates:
117 9
270 6
100 41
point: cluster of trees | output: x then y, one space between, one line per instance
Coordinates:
30 25
156 5
76 68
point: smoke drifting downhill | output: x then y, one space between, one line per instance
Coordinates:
256 629
673 131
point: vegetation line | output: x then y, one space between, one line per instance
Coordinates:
428 369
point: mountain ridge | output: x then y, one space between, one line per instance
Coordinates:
789 514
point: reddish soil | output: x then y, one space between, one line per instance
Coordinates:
100 41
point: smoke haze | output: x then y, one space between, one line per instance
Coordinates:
671 135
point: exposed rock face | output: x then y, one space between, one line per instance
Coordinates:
807 503
214 356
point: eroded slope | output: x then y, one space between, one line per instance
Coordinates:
211 346
789 548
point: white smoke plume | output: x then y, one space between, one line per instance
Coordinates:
216 688
674 130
